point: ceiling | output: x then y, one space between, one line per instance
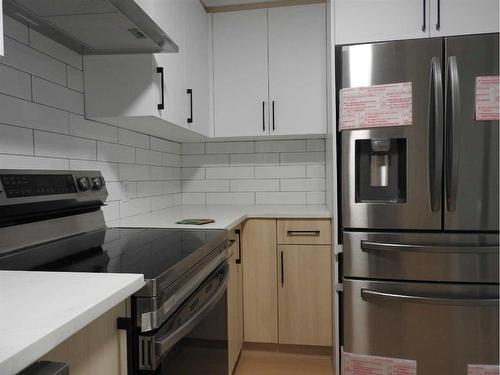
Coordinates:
215 3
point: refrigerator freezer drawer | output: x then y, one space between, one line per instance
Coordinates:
465 258
443 327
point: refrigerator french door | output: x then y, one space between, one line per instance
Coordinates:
444 141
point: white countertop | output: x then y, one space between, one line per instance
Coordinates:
226 217
39 310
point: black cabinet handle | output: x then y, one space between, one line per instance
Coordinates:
282 270
274 127
162 104
263 116
190 93
438 24
424 26
237 231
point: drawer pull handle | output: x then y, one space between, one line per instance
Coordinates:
395 247
372 294
314 233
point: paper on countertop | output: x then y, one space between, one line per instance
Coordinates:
376 106
487 98
483 370
359 364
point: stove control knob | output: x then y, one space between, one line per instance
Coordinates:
83 183
97 183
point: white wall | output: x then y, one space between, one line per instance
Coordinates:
42 127
254 172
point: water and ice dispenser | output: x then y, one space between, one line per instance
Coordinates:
381 170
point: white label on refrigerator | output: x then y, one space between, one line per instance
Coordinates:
487 98
483 370
376 106
359 364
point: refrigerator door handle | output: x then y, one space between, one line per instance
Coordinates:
435 134
452 133
391 247
367 294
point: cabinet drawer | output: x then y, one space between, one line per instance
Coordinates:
304 232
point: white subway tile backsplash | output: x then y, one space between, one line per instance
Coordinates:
254 185
81 127
135 207
303 184
32 162
316 170
315 145
193 198
254 159
148 157
230 198
166 201
204 160
75 78
165 146
129 190
150 188
114 191
229 172
280 146
171 160
165 173
280 198
229 147
192 148
133 172
64 146
282 171
303 158
193 173
31 61
32 115
15 30
130 138
316 197
14 140
108 170
54 49
111 211
53 95
15 82
198 186
113 152
172 187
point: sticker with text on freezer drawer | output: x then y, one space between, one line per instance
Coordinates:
359 364
487 98
483 370
376 106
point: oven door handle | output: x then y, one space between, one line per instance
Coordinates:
372 294
165 343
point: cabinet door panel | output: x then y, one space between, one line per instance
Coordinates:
362 21
305 295
260 300
240 73
297 69
460 17
1 31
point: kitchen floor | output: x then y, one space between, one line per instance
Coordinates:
271 363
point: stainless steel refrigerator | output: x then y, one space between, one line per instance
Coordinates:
420 207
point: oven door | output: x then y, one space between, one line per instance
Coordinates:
194 339
445 328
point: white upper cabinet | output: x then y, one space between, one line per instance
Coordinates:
360 21
240 73
297 69
1 30
457 17
270 71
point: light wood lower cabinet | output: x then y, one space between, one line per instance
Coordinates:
97 349
235 302
260 295
305 295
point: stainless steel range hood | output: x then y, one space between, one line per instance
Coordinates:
93 27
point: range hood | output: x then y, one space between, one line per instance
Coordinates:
93 27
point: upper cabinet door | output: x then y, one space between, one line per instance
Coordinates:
1 31
452 17
240 73
361 21
297 69
196 56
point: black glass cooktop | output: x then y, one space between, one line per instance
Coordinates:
117 250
